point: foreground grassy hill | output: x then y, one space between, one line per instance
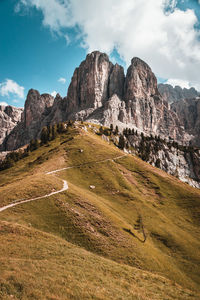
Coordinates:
134 235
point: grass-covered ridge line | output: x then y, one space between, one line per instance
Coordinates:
98 223
60 270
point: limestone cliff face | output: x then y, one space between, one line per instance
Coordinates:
188 111
139 105
36 106
36 109
89 84
140 81
178 162
9 117
116 81
99 92
172 94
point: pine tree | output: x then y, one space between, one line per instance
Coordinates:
34 144
121 144
44 135
101 130
54 131
111 127
61 127
49 128
116 130
140 227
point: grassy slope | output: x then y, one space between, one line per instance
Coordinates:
96 219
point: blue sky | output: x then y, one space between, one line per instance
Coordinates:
42 41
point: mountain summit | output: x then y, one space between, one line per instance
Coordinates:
100 92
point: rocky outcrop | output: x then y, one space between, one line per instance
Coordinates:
90 83
140 81
100 93
173 94
36 110
140 106
116 81
36 106
188 111
176 160
9 117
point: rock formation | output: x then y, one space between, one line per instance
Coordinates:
173 94
179 161
36 109
138 105
188 112
99 92
9 118
89 85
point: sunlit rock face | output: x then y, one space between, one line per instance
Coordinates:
89 87
172 94
36 106
36 109
9 117
134 101
140 81
100 92
188 111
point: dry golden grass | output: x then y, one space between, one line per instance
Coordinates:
36 265
101 221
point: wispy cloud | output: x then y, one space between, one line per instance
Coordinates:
62 80
54 93
10 87
15 101
157 31
179 82
182 83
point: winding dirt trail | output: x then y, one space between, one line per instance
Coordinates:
65 184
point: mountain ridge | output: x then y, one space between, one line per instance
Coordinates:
98 224
100 93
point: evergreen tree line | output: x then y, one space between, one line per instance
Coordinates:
48 133
148 144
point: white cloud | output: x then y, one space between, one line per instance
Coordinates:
179 82
4 103
62 80
182 83
54 93
11 87
166 39
15 101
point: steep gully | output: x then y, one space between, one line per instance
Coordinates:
65 184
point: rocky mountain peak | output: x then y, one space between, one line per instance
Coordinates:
89 86
116 82
35 106
173 94
96 54
9 117
140 81
99 92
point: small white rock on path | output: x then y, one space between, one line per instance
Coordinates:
65 184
